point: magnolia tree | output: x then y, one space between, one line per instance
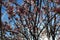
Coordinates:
31 20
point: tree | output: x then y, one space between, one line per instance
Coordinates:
28 18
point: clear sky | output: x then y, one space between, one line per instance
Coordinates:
5 15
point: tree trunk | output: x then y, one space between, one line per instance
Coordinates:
53 37
0 21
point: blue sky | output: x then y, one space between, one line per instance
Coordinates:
20 2
5 16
